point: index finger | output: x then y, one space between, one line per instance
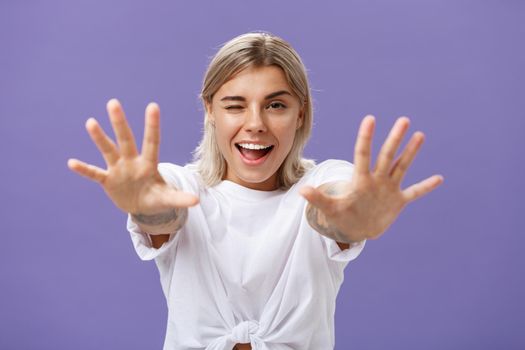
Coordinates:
363 145
102 141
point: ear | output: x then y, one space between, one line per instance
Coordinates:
209 114
300 119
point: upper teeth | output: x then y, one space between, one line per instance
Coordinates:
253 146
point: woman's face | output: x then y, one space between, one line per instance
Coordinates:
256 115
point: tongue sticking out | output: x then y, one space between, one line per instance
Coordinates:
253 154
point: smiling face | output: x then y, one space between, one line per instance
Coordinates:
256 116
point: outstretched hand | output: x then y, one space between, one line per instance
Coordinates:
131 180
368 204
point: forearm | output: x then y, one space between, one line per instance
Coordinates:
318 221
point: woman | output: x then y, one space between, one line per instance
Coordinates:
245 261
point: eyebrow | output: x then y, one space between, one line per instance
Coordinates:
270 96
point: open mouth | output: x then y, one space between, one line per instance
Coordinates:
253 152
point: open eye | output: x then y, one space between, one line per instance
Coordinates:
276 105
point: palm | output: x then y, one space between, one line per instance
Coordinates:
368 204
131 180
135 185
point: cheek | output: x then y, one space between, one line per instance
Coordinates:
286 134
225 131
290 137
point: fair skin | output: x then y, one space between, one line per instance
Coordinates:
131 179
364 207
257 106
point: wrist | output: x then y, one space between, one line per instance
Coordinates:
166 222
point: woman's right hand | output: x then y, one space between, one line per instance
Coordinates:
132 180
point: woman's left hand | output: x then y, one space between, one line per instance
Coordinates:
368 204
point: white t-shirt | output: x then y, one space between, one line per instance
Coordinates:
247 267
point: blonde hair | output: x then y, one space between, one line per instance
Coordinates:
255 49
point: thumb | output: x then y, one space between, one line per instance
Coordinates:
179 199
317 198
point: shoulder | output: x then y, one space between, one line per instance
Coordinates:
184 177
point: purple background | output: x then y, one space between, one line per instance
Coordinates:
447 275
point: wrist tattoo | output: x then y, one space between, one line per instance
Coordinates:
169 217
319 223
318 220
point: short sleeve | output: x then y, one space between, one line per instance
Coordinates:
175 176
142 242
329 171
332 170
336 254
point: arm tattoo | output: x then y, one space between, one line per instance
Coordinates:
318 221
173 218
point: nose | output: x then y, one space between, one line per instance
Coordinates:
254 121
